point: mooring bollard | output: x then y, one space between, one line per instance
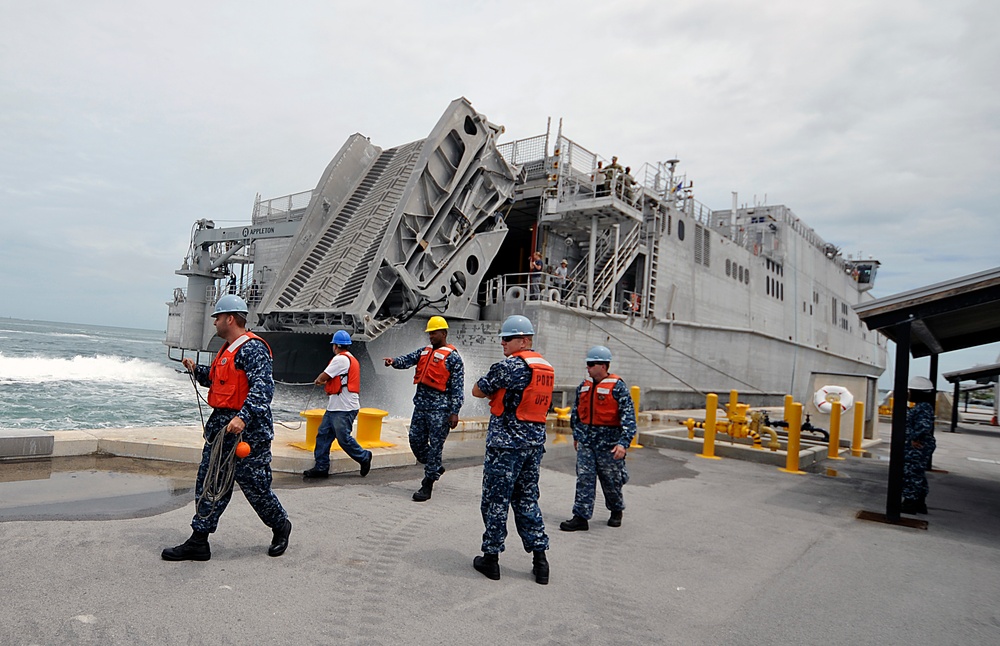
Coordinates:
859 427
370 428
636 393
313 418
794 420
708 448
833 450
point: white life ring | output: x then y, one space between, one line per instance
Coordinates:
554 295
514 294
827 395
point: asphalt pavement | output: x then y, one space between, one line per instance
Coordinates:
710 552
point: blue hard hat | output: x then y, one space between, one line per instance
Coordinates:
342 337
230 304
599 354
517 325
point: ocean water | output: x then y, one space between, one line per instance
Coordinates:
64 376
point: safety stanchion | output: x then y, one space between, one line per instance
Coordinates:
859 426
711 406
833 450
794 419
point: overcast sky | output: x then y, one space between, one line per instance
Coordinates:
121 123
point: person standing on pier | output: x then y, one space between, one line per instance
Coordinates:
342 382
603 422
920 444
240 388
440 380
520 392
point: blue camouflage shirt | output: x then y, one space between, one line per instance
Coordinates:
506 431
254 359
452 398
920 424
606 436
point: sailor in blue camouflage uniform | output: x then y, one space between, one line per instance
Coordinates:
520 393
920 444
240 390
440 380
603 422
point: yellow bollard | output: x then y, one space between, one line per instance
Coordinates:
635 392
859 426
734 398
794 420
833 451
313 418
788 407
711 406
562 414
370 428
690 424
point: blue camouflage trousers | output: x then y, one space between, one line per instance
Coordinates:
253 475
510 480
428 430
915 472
593 463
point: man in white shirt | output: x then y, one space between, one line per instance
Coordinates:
342 381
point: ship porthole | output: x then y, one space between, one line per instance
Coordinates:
472 265
680 229
458 283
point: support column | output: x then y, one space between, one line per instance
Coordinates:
894 490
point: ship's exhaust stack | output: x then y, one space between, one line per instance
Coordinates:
392 232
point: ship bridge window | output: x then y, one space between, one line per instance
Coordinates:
729 266
680 229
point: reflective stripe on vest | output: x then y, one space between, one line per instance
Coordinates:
537 396
230 387
351 378
431 369
597 407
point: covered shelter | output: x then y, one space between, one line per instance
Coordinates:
926 322
978 373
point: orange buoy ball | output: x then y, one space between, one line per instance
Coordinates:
242 450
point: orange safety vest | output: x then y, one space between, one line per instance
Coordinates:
597 407
537 396
230 387
431 369
351 378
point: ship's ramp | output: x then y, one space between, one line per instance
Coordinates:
391 232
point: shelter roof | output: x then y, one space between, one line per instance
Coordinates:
979 372
951 315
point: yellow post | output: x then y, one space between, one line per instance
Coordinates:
711 406
370 428
788 407
859 426
636 393
833 450
794 420
313 418
734 398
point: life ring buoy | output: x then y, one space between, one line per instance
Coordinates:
554 295
826 396
514 294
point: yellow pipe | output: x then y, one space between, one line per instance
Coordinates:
773 444
711 406
859 425
794 420
833 450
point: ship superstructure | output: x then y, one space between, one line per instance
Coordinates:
691 299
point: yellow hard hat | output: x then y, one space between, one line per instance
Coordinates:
436 323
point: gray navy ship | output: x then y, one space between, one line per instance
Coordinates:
690 299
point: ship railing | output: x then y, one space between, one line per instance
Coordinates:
530 153
287 208
533 286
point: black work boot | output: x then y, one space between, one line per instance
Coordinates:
921 505
574 524
616 519
193 549
540 567
489 565
424 492
279 541
316 473
908 506
366 464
